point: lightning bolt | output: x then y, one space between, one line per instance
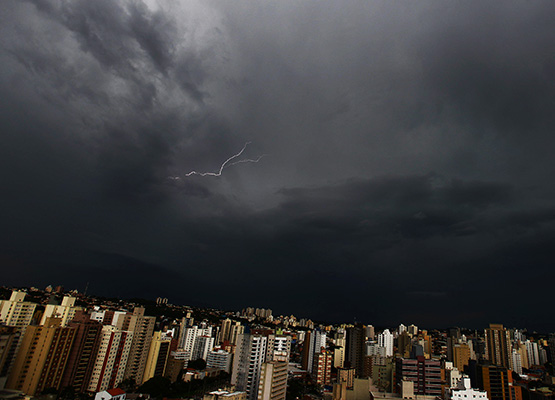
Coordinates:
224 165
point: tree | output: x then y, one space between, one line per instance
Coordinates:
156 386
199 364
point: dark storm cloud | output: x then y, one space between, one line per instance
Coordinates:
111 31
409 154
492 76
409 206
350 245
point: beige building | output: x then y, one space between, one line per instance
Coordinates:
225 331
273 381
347 376
65 311
498 346
17 312
339 353
142 329
158 355
279 348
42 357
9 337
523 355
359 391
461 355
236 330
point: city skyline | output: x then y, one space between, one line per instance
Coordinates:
85 345
407 156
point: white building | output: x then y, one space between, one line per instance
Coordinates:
219 359
97 314
190 336
517 361
317 342
250 353
110 394
452 375
533 353
385 340
373 349
203 345
464 391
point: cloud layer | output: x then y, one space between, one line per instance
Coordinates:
408 175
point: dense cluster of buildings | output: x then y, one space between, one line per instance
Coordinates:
94 347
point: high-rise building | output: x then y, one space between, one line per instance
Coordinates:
64 311
17 312
203 345
426 375
368 365
355 348
111 359
82 355
190 338
452 375
321 369
42 357
186 322
347 376
141 328
250 354
9 335
521 348
404 344
497 381
461 355
517 362
225 331
498 346
339 352
412 330
158 355
279 348
552 347
263 313
385 340
382 372
236 330
370 332
532 351
273 381
219 359
315 342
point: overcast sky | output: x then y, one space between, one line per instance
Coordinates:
408 155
